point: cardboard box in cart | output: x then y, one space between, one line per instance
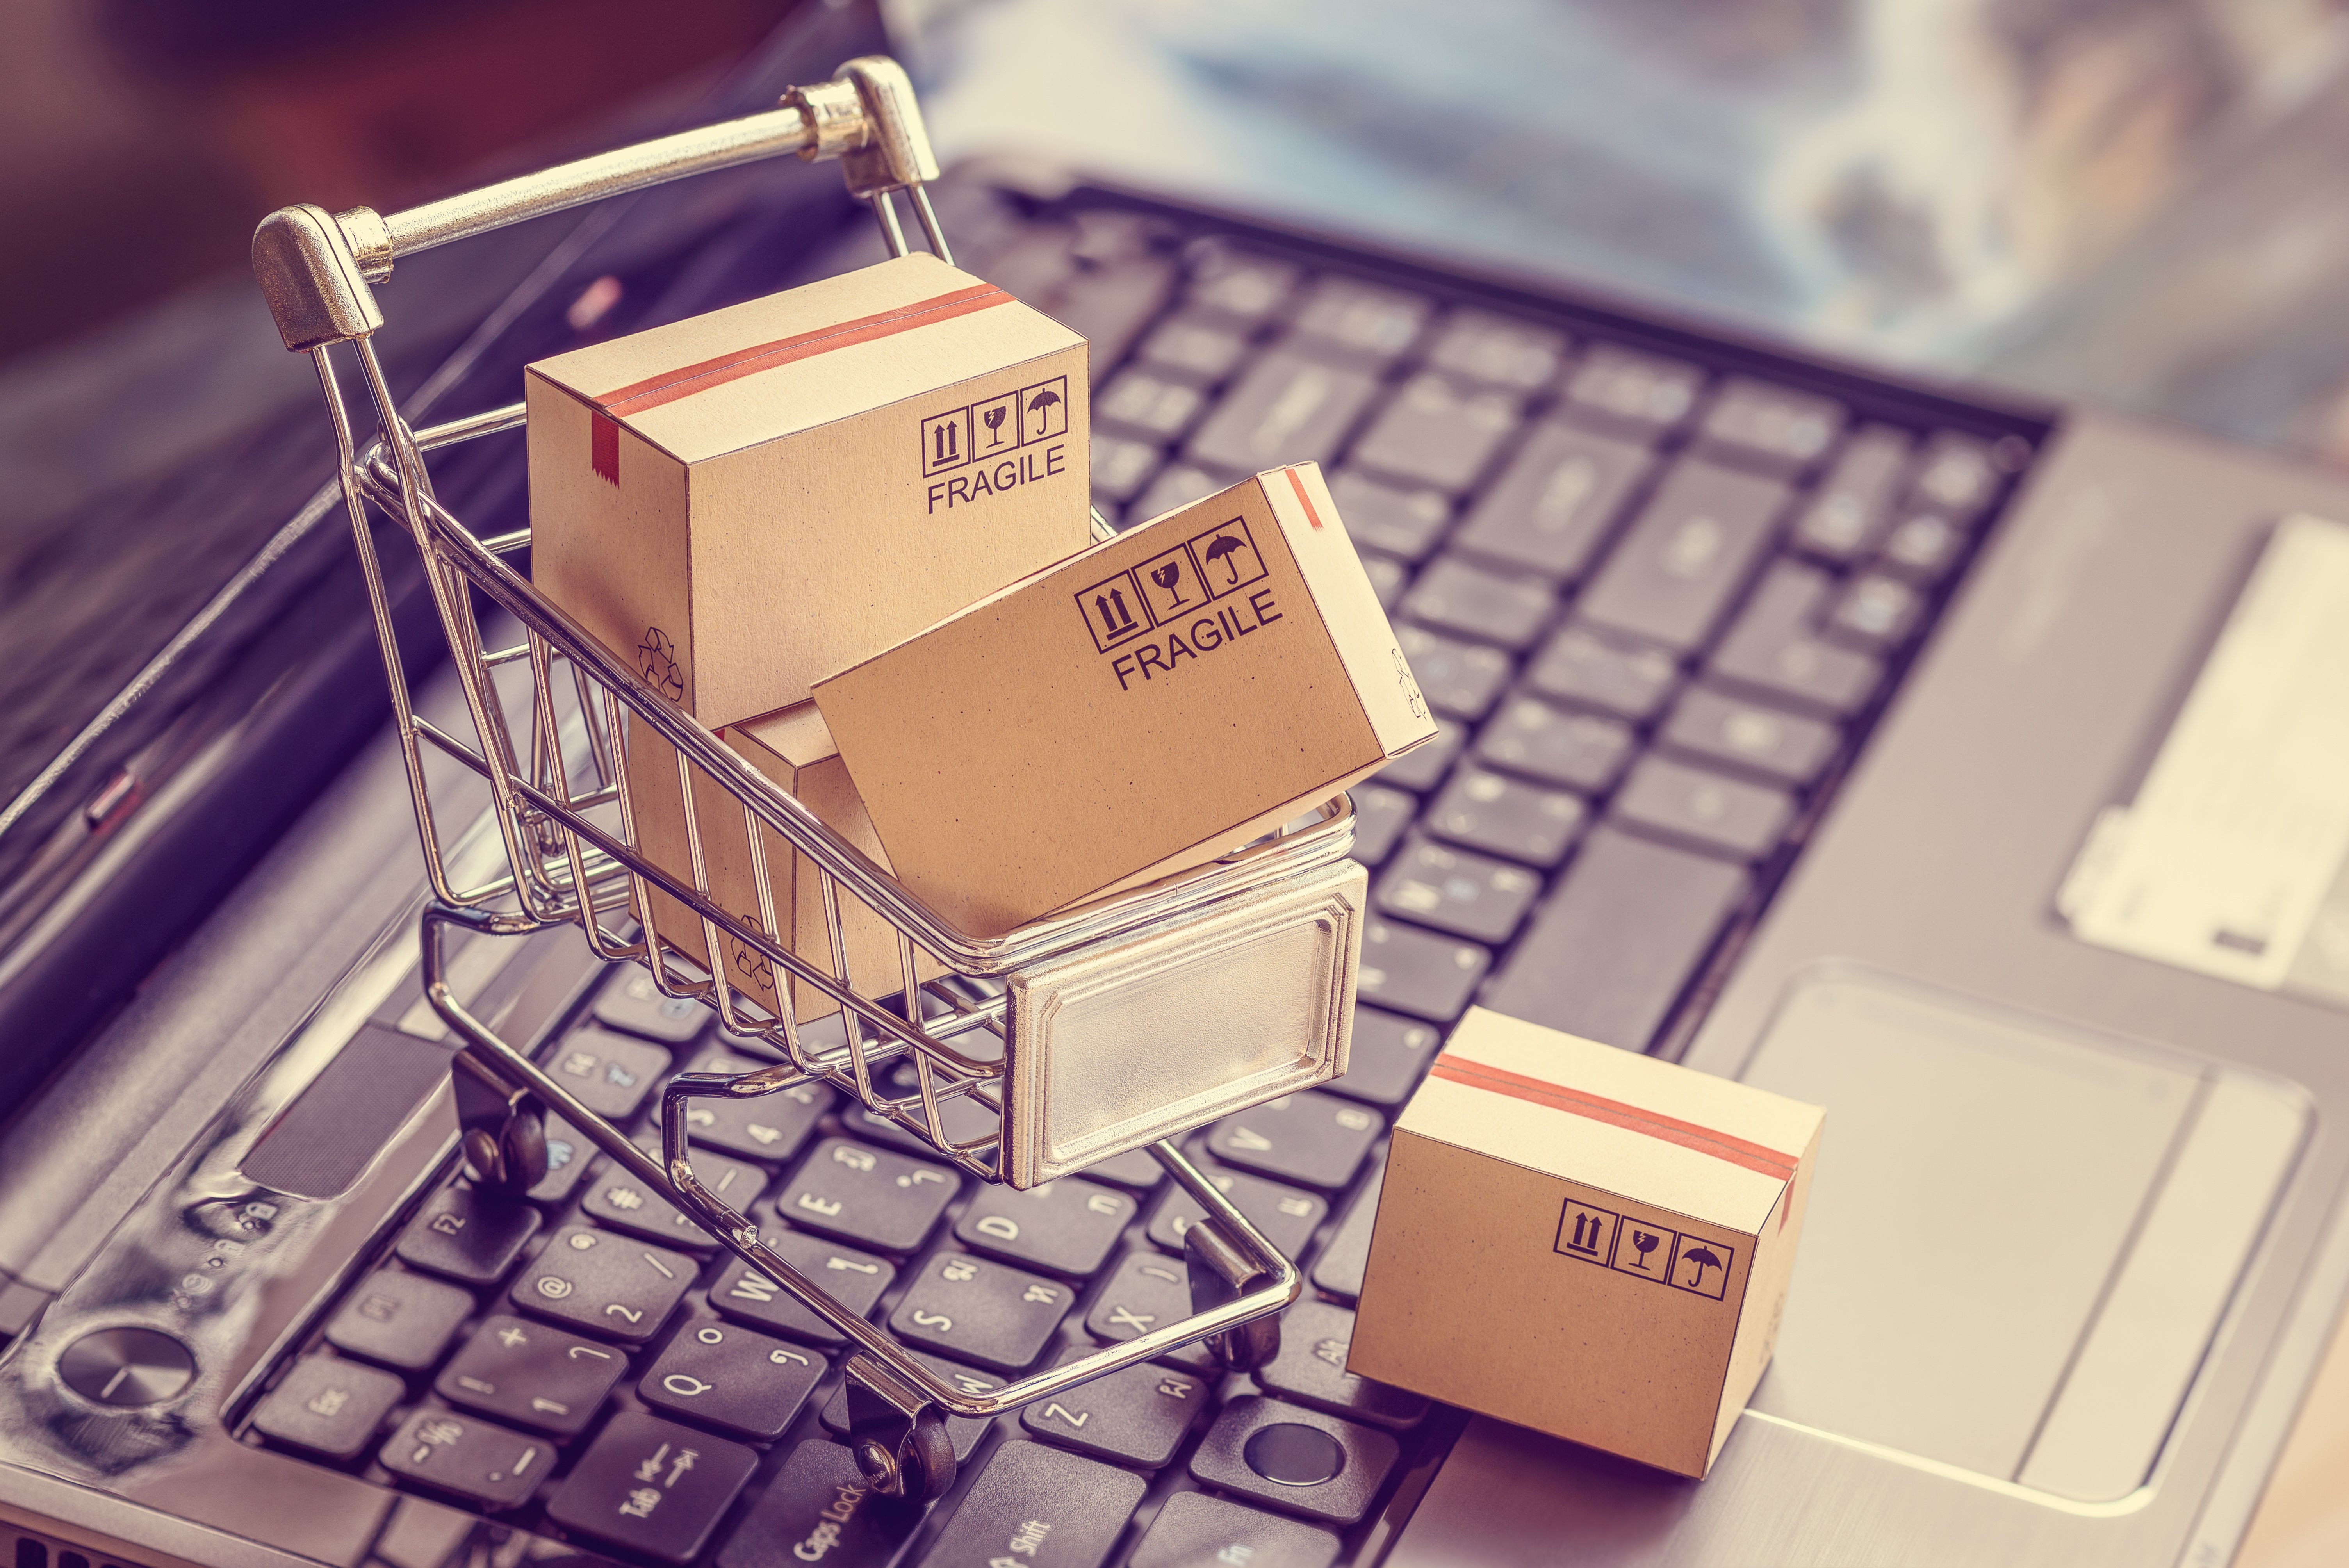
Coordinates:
1144 707
1585 1240
745 502
793 748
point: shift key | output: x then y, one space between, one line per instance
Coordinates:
1686 557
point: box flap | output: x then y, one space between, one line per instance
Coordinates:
796 736
1706 1147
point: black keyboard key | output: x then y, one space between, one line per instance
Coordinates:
468 1235
1849 510
1285 408
652 1486
1469 602
1627 926
1121 467
1311 1138
475 1459
1367 322
1136 1170
1774 428
1064 1227
611 1074
1299 1460
1135 1417
1580 750
1465 894
1497 349
770 1129
1437 432
1503 816
1875 613
402 1320
1109 304
1457 678
745 1385
1620 388
1039 1507
1239 284
1418 971
1773 647
1312 1371
608 1284
1423 768
962 1431
568 1156
328 1407
632 1002
1556 501
1957 474
1154 407
1386 1059
1381 815
1923 546
872 1197
1403 521
532 1376
978 1310
852 1278
1782 745
1147 1291
819 1508
1725 815
1686 555
1616 674
1339 1269
1286 1215
1195 1529
1199 347
620 1201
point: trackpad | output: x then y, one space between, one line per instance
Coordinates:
2022 1236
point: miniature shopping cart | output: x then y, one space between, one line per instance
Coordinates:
1032 1055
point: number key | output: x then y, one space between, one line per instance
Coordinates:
625 1203
608 1284
532 1375
476 1460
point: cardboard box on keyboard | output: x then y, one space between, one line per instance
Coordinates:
744 503
1585 1240
1134 711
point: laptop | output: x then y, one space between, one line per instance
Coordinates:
1968 768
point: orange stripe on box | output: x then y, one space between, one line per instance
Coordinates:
1615 1113
655 391
1303 500
604 446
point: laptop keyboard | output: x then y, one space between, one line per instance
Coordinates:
1656 600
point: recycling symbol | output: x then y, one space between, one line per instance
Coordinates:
656 662
752 965
1409 686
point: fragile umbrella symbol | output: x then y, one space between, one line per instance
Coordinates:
1701 1257
1041 401
1220 547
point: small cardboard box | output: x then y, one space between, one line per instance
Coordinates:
1144 707
793 748
1585 1240
749 501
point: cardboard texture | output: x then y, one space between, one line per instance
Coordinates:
1585 1240
793 748
746 501
1141 708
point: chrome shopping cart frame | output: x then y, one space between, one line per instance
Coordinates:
1260 946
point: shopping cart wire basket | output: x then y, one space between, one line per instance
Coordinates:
1019 1057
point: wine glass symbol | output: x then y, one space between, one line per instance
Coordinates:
1168 576
1646 1242
994 418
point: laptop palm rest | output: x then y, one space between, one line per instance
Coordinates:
2023 1236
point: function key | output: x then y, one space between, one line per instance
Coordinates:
1786 747
611 1285
532 1375
1467 895
1296 1460
1403 521
1363 320
1386 1059
1639 393
1285 408
1437 432
568 1156
631 1001
1138 1416
1239 284
976 1309
1423 768
610 1073
872 1197
1039 1507
1849 508
1418 971
1467 600
1686 555
820 1508
1556 501
853 1279
1312 1371
962 1431
1064 1227
328 1407
1286 1215
1774 428
745 1385
1734 818
1197 1527
400 1320
1380 816
1198 345
622 1202
1598 669
651 1486
1458 678
1503 816
1580 750
1497 349
468 1235
476 1460
1311 1138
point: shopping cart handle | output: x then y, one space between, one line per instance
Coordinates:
315 267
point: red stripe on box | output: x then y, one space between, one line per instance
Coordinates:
670 385
1615 1113
604 446
1305 500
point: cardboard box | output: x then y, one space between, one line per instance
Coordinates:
1585 1240
793 748
1144 707
749 501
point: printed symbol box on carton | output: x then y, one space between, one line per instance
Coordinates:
1138 710
793 748
745 502
1585 1240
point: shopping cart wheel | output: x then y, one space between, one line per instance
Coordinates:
512 1157
918 1467
1221 1272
